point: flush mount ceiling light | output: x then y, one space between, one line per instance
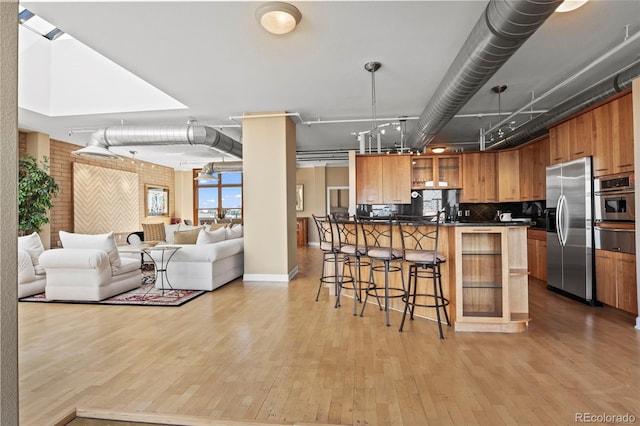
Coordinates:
569 5
438 149
278 17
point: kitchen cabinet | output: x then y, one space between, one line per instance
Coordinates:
383 179
571 139
479 178
616 280
436 172
534 158
491 279
509 175
537 253
613 137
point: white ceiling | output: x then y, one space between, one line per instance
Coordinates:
214 58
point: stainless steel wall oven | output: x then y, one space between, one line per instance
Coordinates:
615 198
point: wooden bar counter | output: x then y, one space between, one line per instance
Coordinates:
485 277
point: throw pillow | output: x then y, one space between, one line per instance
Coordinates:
186 237
169 230
104 242
32 245
210 237
234 232
153 231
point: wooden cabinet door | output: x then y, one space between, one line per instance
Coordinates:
396 179
471 172
606 278
541 253
559 143
602 140
527 157
541 161
625 267
508 176
488 177
532 258
622 118
581 140
369 179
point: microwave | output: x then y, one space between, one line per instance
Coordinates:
615 198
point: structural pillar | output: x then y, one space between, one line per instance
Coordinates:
636 157
9 213
269 199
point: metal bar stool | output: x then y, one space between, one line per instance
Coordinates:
351 245
330 253
420 251
378 234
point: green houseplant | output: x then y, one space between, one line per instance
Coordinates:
35 190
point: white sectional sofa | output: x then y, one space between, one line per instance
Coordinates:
216 258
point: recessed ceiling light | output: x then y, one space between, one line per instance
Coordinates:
278 17
569 5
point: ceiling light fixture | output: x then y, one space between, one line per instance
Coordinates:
372 67
278 17
438 149
569 5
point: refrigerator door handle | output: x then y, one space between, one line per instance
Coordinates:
558 214
564 218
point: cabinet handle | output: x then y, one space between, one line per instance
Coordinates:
579 152
601 170
557 158
625 165
626 261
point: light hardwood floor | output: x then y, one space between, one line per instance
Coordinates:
268 352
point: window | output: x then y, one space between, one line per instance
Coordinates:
218 199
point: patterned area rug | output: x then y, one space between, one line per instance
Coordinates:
146 295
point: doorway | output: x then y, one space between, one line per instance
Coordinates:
337 200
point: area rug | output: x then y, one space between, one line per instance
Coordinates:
146 295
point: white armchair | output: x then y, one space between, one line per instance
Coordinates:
88 268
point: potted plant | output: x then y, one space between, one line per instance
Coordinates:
35 190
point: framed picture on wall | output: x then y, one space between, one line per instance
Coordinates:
299 198
156 200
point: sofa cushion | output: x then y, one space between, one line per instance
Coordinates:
127 265
169 230
209 252
104 242
187 237
153 231
210 237
32 245
234 232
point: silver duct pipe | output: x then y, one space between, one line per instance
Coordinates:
538 126
188 134
501 30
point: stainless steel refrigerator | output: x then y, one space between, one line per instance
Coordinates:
570 229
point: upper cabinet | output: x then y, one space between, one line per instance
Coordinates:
479 178
436 171
534 158
571 139
383 179
613 137
509 175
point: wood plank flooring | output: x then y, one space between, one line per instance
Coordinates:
267 352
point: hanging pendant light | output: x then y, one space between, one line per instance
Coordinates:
372 67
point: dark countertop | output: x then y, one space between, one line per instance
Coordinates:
486 224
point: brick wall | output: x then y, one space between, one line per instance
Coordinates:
61 163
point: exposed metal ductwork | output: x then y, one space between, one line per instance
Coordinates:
188 134
538 125
501 30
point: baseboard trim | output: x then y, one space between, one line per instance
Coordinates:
176 419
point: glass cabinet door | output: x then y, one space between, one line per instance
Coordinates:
423 172
449 172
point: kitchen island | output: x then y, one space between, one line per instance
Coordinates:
485 276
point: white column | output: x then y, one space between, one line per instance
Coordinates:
269 199
8 212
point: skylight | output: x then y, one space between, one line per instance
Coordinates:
38 25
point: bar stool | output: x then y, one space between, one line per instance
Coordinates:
351 245
330 253
420 250
378 234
